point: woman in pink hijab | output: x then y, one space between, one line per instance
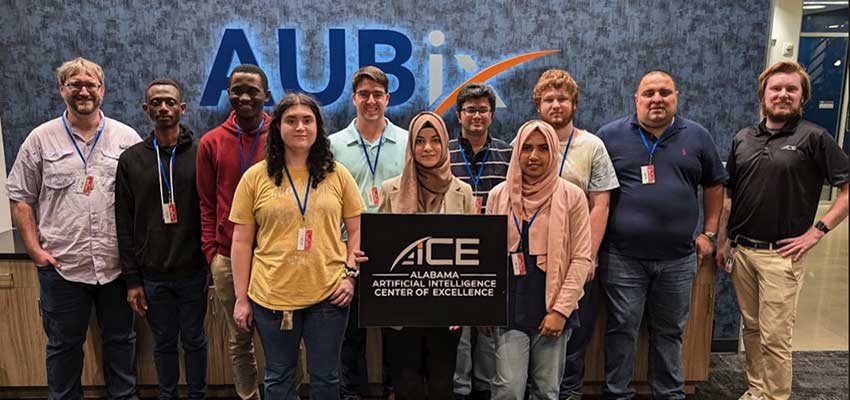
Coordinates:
549 245
422 360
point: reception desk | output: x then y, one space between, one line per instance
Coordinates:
22 339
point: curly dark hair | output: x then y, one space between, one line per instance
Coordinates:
320 161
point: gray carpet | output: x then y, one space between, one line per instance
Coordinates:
820 375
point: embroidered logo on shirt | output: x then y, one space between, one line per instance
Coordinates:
789 147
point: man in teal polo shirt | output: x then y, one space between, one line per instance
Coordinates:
373 150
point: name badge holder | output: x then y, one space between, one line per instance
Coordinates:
169 208
518 257
373 197
84 182
647 172
475 178
305 234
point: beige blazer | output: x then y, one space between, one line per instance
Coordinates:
458 200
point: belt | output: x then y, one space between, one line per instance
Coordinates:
754 244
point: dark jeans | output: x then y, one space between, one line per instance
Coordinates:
353 374
177 308
422 361
588 307
322 327
664 288
65 311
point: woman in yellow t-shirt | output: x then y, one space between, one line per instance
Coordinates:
426 185
299 279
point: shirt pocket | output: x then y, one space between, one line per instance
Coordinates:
60 163
59 184
106 169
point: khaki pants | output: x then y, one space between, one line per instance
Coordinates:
240 344
767 286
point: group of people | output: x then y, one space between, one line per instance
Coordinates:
269 206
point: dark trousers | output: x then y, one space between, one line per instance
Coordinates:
322 327
588 307
177 308
65 311
422 361
353 373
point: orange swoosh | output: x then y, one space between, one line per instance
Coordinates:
488 73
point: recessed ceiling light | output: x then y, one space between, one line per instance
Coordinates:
833 27
837 62
813 7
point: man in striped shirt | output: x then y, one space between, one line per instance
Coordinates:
481 161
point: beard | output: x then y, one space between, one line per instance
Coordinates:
782 115
565 120
83 105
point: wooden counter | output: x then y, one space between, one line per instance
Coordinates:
22 340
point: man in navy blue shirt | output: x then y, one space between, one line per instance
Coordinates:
650 254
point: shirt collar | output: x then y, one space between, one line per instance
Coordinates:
390 132
789 127
467 146
674 128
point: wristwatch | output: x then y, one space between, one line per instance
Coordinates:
822 227
351 272
712 236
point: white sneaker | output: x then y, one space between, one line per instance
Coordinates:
748 396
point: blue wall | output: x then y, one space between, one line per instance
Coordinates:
715 50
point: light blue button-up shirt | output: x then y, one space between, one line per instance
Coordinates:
348 150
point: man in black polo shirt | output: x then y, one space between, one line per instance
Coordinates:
776 170
649 255
480 160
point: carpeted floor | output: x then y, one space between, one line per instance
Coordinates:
820 375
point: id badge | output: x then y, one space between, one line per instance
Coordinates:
286 321
169 213
305 239
85 184
518 262
374 197
730 262
647 174
479 203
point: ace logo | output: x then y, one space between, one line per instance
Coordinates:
422 252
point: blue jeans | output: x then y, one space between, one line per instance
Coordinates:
588 307
664 287
476 362
177 308
520 356
65 312
322 327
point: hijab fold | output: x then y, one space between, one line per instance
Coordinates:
424 189
544 196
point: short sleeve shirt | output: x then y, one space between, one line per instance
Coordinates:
282 277
775 178
348 150
76 228
658 221
587 164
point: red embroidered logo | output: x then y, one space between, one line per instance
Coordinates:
684 152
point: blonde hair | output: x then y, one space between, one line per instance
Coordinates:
78 66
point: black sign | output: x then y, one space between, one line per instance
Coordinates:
433 270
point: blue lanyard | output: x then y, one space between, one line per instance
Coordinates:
372 168
162 166
301 207
74 142
566 150
475 178
646 144
519 228
242 165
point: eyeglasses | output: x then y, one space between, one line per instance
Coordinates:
365 94
78 86
472 110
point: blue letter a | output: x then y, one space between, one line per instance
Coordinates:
233 42
336 63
